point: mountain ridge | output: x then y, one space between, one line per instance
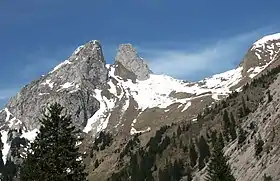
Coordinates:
225 79
125 96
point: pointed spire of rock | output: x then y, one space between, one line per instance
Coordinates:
86 63
130 60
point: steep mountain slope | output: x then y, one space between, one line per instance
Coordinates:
124 98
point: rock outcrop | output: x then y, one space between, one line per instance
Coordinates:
128 57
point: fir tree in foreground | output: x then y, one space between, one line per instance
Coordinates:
54 155
218 168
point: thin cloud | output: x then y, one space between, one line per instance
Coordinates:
190 64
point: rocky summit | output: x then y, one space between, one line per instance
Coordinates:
131 61
127 100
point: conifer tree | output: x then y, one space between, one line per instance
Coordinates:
1 155
192 154
179 131
269 96
213 137
267 178
232 119
232 128
1 160
189 173
204 152
227 125
241 136
259 146
221 140
54 153
241 112
246 110
218 168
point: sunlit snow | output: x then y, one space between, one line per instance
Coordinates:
78 49
100 116
49 83
67 85
154 92
60 65
134 131
265 39
30 135
186 106
7 146
8 114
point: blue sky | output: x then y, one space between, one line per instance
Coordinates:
185 39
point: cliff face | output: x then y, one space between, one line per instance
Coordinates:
125 98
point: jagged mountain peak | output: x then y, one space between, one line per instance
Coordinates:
90 52
91 46
128 58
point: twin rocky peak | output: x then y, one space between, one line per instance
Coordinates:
128 64
75 84
89 89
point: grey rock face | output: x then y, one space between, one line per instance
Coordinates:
129 58
121 71
72 84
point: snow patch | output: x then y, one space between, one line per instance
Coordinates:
258 55
41 94
60 65
78 143
250 69
113 88
8 113
125 106
98 115
12 121
30 135
133 122
78 49
79 158
225 80
67 85
7 146
194 120
100 118
134 131
180 106
265 39
259 69
186 106
49 83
